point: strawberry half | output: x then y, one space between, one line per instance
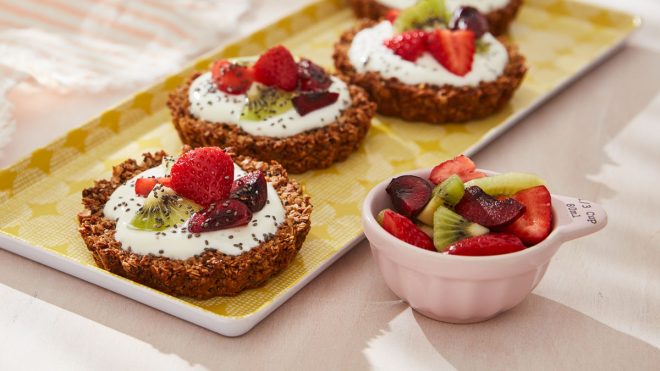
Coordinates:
452 49
488 244
402 228
143 186
230 77
276 67
204 175
410 45
460 165
392 14
535 224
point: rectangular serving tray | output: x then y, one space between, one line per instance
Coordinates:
40 195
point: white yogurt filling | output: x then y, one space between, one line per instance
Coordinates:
483 6
368 53
213 105
124 204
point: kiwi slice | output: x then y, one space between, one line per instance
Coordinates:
449 227
162 209
424 14
447 193
264 102
506 184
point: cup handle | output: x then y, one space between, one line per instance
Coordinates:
581 217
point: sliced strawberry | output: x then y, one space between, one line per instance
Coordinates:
225 214
230 77
204 175
460 165
143 186
453 49
392 14
488 244
535 224
308 102
276 67
410 45
312 77
402 228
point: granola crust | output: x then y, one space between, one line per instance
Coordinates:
211 273
313 149
498 19
431 103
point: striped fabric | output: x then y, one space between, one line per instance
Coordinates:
93 45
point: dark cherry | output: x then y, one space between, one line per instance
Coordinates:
308 102
469 18
479 207
409 194
222 215
251 189
312 77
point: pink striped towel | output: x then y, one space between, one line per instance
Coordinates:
92 45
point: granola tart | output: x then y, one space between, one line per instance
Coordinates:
498 18
309 121
210 272
424 100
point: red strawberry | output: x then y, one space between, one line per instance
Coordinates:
535 224
410 45
312 77
453 49
276 67
252 190
488 244
392 14
204 175
402 228
143 186
308 102
226 214
230 77
459 165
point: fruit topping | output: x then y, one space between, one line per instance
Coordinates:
230 77
454 50
312 77
222 215
264 102
251 189
276 67
392 14
409 45
409 194
308 102
534 225
144 185
204 175
402 228
506 184
490 244
448 193
425 13
479 207
469 18
449 227
163 209
459 165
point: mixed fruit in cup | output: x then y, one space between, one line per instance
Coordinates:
461 211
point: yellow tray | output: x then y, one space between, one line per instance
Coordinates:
40 195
